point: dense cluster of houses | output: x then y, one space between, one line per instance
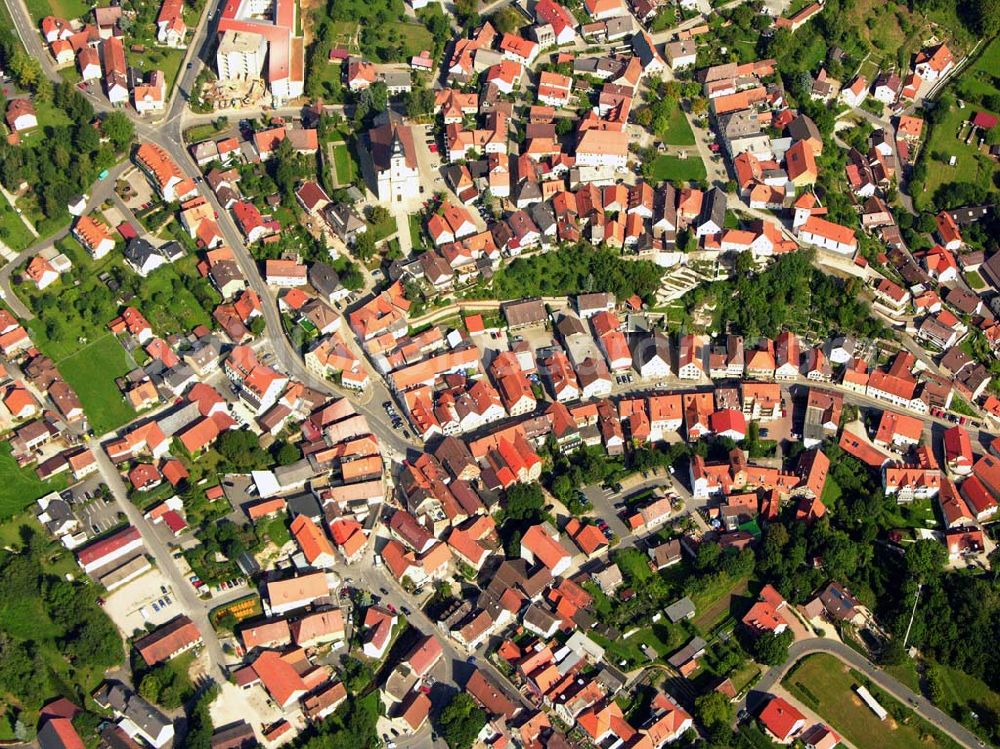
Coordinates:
97 47
42 411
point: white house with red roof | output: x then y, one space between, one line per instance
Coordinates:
934 63
540 545
958 450
830 236
781 720
551 13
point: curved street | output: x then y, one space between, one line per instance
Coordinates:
884 681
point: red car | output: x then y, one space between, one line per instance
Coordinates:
713 147
433 147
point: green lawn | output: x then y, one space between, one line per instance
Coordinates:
905 673
958 689
414 37
48 116
975 281
13 232
276 530
199 133
662 639
342 34
948 137
167 301
343 162
159 58
384 229
92 372
679 132
67 9
416 231
825 685
19 487
672 168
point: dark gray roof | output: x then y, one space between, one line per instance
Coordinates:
653 345
524 312
323 278
686 653
803 128
682 609
139 250
713 208
125 702
304 503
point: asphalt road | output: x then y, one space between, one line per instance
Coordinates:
192 605
900 691
367 576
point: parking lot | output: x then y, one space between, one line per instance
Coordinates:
251 705
603 500
95 513
537 336
148 599
139 194
98 516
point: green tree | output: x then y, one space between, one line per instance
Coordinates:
460 721
199 735
118 128
241 449
420 100
149 688
378 214
986 16
524 502
507 20
364 247
287 453
715 712
771 649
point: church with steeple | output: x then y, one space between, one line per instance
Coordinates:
394 159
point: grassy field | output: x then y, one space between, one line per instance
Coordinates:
662 639
158 58
948 137
671 168
168 305
342 34
384 229
92 372
975 281
679 132
19 487
13 232
198 133
68 9
416 231
48 116
713 604
414 37
343 163
825 685
330 75
959 689
905 673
